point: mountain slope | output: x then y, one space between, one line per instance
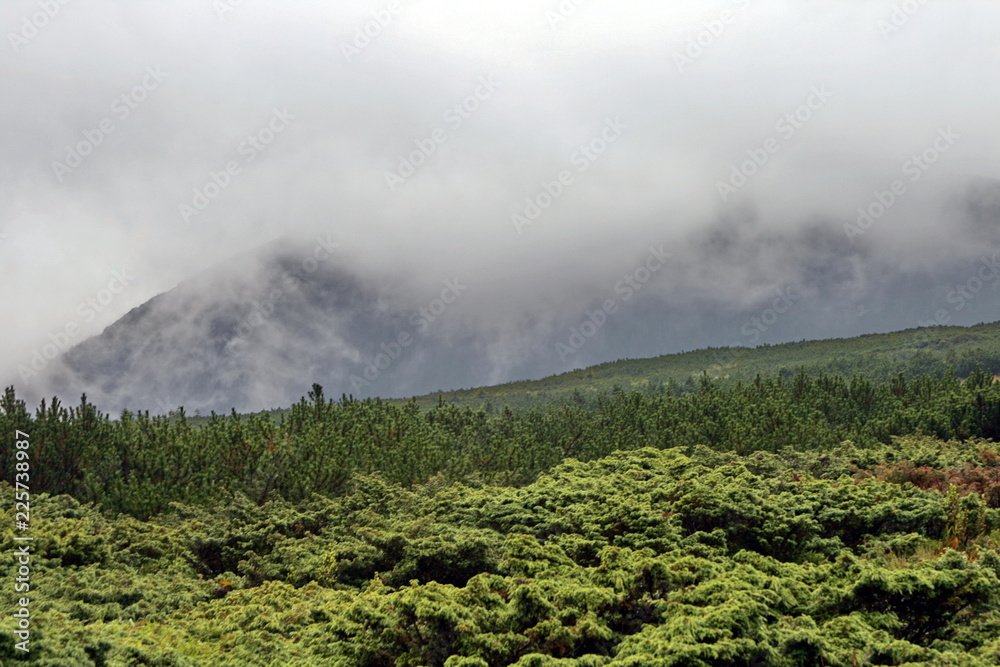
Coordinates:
875 356
250 333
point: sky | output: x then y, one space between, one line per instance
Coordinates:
536 151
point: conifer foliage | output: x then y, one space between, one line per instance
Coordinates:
790 521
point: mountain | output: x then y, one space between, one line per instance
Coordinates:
255 331
250 333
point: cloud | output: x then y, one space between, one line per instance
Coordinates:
226 72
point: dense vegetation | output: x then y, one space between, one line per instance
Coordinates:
138 464
878 357
645 558
798 518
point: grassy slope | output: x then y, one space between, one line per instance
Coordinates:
877 356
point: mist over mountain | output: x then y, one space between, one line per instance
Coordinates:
247 334
257 330
580 181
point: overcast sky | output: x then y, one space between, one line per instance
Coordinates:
117 114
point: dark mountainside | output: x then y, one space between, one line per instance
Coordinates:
243 335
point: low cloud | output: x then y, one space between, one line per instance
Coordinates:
745 164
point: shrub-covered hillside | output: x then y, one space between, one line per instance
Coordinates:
879 357
855 556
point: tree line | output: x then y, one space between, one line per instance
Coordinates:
138 463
